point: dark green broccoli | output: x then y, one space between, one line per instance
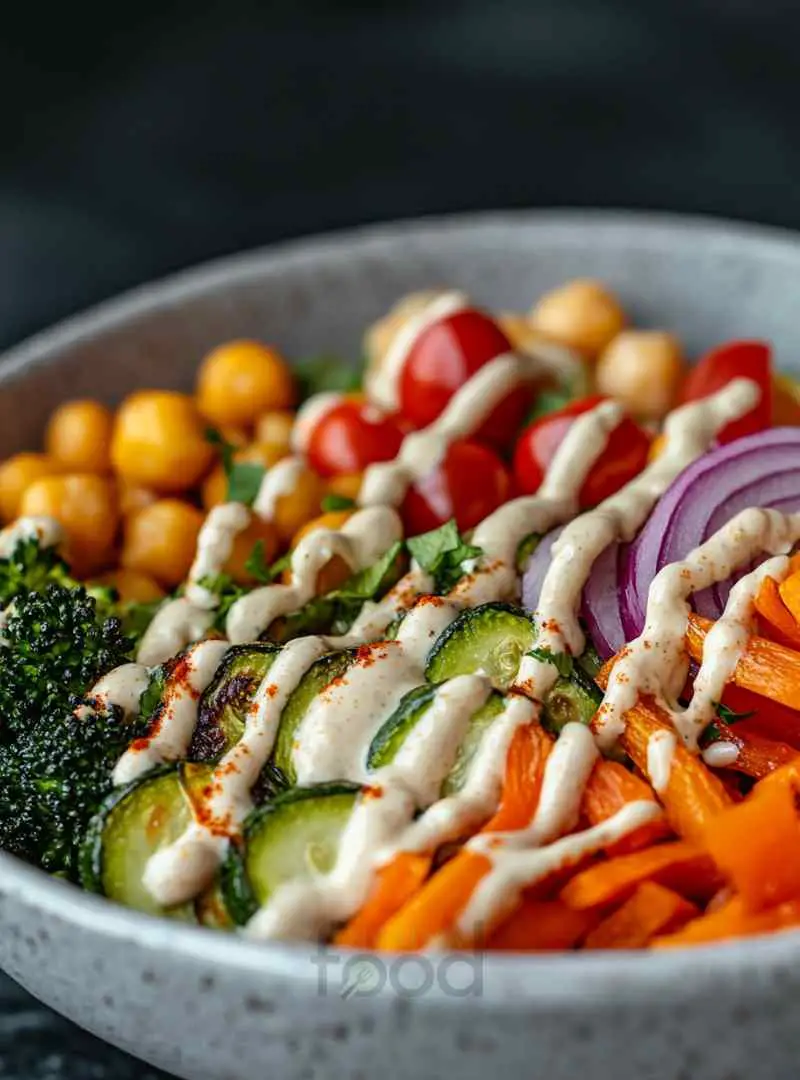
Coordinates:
56 646
30 568
53 778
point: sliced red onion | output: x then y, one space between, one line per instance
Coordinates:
601 607
759 470
538 565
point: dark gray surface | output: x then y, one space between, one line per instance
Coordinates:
36 1044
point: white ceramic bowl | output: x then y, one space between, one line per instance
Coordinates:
204 1005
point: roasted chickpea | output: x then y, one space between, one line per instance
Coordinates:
335 571
160 541
132 587
215 486
243 546
132 498
582 314
242 379
159 441
17 474
347 485
643 370
299 505
85 505
78 435
275 429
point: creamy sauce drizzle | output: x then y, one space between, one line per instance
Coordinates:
46 530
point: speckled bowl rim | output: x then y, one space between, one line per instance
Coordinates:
542 979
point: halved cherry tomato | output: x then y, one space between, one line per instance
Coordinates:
468 485
735 360
443 358
624 457
351 436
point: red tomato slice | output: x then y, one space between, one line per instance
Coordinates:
445 355
468 485
624 457
734 360
351 436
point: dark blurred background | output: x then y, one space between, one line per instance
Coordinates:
137 139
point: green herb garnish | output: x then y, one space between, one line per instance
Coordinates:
333 502
318 374
562 661
442 553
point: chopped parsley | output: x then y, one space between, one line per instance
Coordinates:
442 553
333 502
561 661
318 374
712 733
244 477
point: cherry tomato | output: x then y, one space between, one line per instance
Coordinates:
624 457
351 436
734 360
468 485
441 360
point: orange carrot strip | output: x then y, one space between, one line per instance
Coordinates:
776 620
679 865
651 910
732 921
757 756
434 909
755 845
769 719
766 668
789 590
541 926
611 786
396 882
693 794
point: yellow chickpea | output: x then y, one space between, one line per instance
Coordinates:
78 435
299 505
160 541
582 314
275 429
132 498
643 370
132 586
159 442
347 485
257 530
215 486
85 505
242 379
16 476
335 571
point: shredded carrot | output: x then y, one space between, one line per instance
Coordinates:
756 846
765 667
542 926
732 921
652 909
611 786
434 909
776 621
679 865
693 794
396 882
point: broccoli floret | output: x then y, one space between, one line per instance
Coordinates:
30 568
55 647
53 778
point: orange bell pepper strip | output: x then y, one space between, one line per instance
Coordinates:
769 719
775 619
434 909
767 668
789 590
732 921
394 884
541 926
757 756
756 846
611 786
652 909
679 865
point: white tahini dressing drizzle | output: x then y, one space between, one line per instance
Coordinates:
46 530
660 752
656 662
122 687
214 547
